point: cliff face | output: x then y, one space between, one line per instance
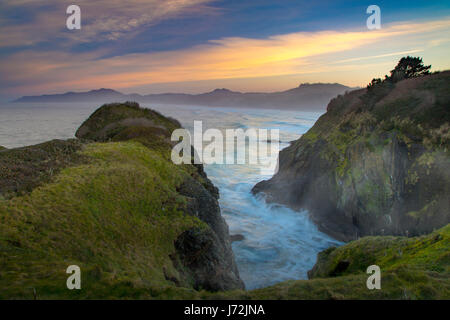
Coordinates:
377 162
140 227
113 203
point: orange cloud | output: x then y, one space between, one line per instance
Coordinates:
282 55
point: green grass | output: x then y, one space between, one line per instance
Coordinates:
23 169
113 209
430 252
116 217
105 122
411 268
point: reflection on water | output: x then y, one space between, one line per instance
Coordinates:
279 244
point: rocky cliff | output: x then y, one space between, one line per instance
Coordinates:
140 227
114 204
377 162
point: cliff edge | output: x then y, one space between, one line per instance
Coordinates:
112 203
377 162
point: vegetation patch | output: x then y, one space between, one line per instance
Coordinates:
23 169
111 119
116 217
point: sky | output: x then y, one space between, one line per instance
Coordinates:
193 46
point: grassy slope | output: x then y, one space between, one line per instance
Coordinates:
23 169
422 117
116 214
105 122
123 253
411 268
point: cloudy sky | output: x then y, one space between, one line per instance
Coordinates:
149 46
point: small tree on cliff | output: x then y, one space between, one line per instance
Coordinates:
407 67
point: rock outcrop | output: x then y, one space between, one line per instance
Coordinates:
205 253
411 268
113 203
377 162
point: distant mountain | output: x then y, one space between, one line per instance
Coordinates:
305 97
107 95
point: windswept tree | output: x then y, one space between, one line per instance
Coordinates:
409 67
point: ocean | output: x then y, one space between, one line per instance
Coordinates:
279 243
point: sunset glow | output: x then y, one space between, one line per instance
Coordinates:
350 55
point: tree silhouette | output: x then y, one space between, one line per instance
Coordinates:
374 82
409 67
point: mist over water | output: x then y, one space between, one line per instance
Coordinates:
280 244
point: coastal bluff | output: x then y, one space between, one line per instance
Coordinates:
112 203
376 163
